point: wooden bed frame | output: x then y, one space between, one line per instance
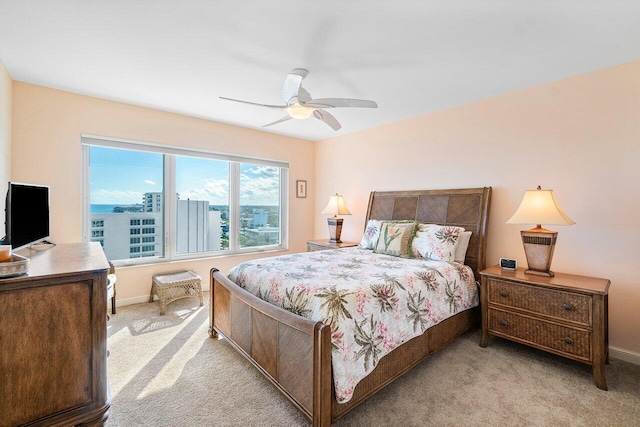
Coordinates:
294 353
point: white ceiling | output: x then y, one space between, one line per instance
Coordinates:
412 57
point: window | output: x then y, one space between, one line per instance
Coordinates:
259 205
197 203
202 212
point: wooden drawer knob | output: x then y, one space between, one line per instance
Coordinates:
503 323
504 294
567 306
568 340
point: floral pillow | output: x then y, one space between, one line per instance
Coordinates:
438 242
418 239
395 238
371 234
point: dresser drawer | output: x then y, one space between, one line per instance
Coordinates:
556 304
541 334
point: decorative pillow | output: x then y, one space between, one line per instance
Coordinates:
395 238
438 242
461 247
419 239
371 234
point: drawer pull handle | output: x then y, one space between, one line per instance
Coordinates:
568 340
504 294
567 306
503 323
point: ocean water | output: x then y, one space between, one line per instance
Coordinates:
102 208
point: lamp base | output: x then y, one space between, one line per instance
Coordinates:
539 244
335 229
547 273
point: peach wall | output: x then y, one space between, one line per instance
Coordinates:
5 135
579 136
47 126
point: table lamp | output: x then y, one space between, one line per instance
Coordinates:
539 207
336 206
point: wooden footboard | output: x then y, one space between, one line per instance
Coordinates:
294 353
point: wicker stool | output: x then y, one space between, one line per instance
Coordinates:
172 286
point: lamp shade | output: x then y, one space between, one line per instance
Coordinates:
540 207
336 206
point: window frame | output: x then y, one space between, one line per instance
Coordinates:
170 203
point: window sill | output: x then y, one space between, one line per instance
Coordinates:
130 263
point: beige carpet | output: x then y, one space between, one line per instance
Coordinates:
166 371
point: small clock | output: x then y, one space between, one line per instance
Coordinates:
508 263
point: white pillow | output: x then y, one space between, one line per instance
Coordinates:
461 247
438 242
371 234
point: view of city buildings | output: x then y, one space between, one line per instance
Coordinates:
136 231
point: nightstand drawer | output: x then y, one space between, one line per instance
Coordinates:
556 304
542 334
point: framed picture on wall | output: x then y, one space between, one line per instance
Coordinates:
301 188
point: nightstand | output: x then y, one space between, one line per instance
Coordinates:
565 315
324 244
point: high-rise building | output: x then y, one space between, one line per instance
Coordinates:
152 202
260 218
198 228
126 235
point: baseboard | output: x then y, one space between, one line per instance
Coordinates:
624 355
121 302
130 301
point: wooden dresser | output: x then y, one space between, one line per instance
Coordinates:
566 314
53 339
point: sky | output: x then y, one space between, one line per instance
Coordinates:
123 176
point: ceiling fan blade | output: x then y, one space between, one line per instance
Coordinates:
303 96
277 107
284 119
340 102
328 119
291 86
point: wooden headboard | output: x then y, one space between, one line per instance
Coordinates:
468 208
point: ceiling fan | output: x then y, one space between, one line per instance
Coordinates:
300 105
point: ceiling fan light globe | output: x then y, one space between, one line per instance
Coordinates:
298 111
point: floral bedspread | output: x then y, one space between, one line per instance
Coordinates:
373 302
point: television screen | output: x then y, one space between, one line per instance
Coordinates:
27 214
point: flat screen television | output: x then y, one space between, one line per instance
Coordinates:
26 214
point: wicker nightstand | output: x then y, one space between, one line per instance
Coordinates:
566 314
322 245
